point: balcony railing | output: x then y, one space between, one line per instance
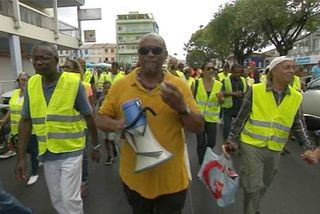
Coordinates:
37 18
69 30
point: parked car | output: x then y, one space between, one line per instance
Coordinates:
311 109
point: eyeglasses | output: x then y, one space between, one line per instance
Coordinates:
154 50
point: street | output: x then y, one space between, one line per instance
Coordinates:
295 190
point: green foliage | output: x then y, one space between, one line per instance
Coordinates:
244 26
283 21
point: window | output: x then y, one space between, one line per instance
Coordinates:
112 50
316 44
106 50
119 28
85 51
112 59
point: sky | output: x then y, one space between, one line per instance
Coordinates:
177 19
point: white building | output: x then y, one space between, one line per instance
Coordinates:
129 29
24 23
99 53
307 50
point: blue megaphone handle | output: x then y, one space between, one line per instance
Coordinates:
139 115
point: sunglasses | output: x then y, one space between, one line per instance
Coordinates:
154 50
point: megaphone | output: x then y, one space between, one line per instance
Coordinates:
140 137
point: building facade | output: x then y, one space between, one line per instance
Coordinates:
307 50
129 30
27 22
99 53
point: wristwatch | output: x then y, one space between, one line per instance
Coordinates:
185 112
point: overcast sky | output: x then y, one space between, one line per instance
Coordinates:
177 19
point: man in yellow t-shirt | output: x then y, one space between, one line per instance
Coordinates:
163 188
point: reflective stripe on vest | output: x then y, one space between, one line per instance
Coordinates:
227 103
209 106
268 124
15 105
58 126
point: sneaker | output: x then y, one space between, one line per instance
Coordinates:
32 179
8 154
108 161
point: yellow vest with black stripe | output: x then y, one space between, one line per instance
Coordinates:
209 106
227 103
268 124
87 76
296 83
15 105
58 126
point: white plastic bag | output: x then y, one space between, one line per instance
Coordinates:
220 178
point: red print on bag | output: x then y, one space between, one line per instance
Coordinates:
217 187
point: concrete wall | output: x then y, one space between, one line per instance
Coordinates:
8 76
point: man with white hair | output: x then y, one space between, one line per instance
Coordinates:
268 112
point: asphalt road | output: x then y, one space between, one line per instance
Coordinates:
295 190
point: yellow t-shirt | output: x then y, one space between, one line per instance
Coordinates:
170 176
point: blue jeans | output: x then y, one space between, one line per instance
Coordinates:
10 205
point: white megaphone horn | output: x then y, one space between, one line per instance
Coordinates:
138 134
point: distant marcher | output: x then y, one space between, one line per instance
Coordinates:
187 73
14 116
209 98
110 137
196 71
234 88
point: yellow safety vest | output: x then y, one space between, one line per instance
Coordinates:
268 124
228 88
87 76
15 105
58 126
115 78
209 106
250 81
221 76
101 79
296 83
190 81
263 78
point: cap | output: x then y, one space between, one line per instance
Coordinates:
277 61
